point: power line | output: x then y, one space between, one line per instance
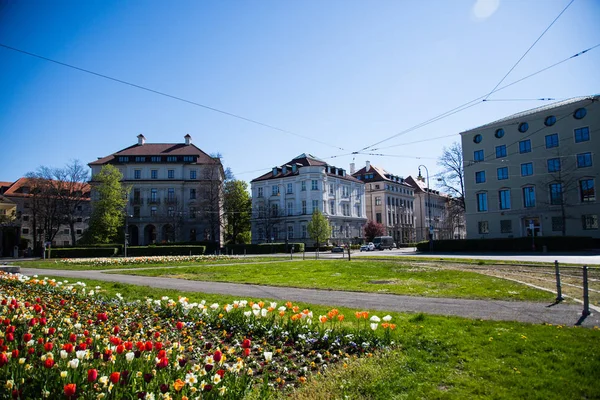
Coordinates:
170 96
469 103
529 49
540 99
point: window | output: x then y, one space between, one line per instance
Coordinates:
171 211
345 191
529 196
25 231
153 195
290 208
331 189
588 193
480 177
171 174
314 184
501 151
499 133
79 219
192 194
25 218
140 159
303 231
555 190
526 169
289 187
303 206
504 199
582 135
332 207
523 127
137 174
153 211
589 221
154 174
171 158
378 218
193 174
155 159
188 158
482 202
171 194
136 212
192 212
580 113
123 159
315 205
502 173
483 226
550 120
554 165
552 140
79 231
358 211
525 146
275 190
505 226
290 232
303 188
477 138
260 192
557 224
584 160
478 155
274 210
378 201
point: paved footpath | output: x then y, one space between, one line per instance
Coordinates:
560 314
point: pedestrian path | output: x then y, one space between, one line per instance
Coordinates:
531 312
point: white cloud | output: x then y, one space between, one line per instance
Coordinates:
483 9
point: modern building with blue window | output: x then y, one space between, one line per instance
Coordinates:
535 172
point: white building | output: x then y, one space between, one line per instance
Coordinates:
176 191
284 199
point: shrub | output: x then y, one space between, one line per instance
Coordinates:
264 248
136 251
79 252
522 244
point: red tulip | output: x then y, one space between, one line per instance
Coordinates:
221 372
246 344
217 356
38 300
163 363
116 329
68 347
31 350
51 331
158 345
72 338
114 377
27 337
15 353
10 337
10 329
129 345
70 389
48 346
179 325
92 375
246 352
120 349
63 302
49 362
3 359
156 335
40 340
148 346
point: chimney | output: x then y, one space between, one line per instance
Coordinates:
141 139
188 139
352 168
368 166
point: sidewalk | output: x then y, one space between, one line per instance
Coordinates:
560 314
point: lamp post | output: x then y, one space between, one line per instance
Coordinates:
428 206
126 233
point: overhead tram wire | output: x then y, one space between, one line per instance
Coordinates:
468 104
528 50
170 96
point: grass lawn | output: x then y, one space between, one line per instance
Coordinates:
448 358
58 264
394 277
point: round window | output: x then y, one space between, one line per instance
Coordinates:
579 113
550 120
499 133
477 138
523 127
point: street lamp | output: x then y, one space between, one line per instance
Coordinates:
428 206
126 233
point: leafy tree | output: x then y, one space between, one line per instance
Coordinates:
373 229
452 177
318 228
108 207
237 206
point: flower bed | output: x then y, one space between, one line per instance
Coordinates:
103 262
62 340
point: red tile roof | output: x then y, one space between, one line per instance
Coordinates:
16 188
303 160
380 175
159 149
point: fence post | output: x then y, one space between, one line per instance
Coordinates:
292 253
558 287
303 254
586 297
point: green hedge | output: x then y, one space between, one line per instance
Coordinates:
523 244
321 248
79 252
138 251
263 248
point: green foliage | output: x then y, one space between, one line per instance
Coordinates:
107 219
264 248
318 228
237 205
79 252
137 251
552 243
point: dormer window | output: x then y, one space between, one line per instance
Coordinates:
155 159
123 159
171 158
274 171
188 158
140 159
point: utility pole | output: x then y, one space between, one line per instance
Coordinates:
428 206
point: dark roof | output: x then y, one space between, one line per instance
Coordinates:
380 174
421 186
303 160
160 149
546 108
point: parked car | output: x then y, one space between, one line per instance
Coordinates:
370 246
384 242
337 249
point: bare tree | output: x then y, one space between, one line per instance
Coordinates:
45 206
267 216
212 186
452 177
73 193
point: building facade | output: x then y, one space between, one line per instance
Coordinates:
284 199
175 191
535 172
389 201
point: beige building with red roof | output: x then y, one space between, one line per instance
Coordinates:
284 199
176 191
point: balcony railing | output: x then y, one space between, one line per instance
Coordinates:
136 201
153 201
171 200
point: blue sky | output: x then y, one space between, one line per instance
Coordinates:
343 73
